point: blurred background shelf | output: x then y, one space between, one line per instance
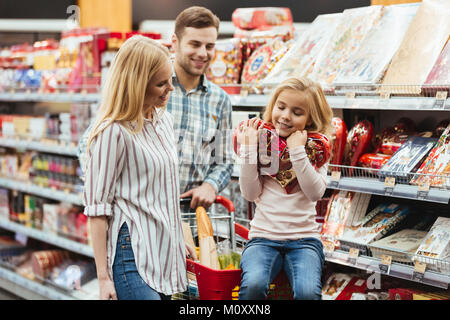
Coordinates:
56 147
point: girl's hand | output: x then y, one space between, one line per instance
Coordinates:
248 133
297 139
107 289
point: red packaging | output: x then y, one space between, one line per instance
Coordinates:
254 18
358 141
43 262
373 160
356 285
402 294
338 141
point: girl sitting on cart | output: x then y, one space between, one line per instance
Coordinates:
283 233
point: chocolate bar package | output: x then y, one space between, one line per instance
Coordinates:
299 60
437 164
341 286
346 39
376 224
436 246
401 245
368 64
407 158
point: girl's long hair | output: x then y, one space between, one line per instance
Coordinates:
137 61
320 112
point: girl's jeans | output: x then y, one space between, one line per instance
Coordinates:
127 281
263 259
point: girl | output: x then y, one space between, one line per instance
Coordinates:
131 191
283 233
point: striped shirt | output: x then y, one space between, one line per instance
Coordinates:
202 122
133 178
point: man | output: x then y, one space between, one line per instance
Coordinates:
201 111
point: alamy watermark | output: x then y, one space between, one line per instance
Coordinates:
73 21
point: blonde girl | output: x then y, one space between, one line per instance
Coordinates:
283 233
131 191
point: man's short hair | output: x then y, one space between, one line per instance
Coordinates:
195 17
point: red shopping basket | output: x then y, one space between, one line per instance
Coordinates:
224 284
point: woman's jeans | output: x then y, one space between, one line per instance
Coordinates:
127 281
263 259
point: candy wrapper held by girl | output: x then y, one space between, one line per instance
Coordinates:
208 250
318 149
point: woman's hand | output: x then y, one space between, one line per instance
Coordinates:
248 133
297 139
107 289
190 252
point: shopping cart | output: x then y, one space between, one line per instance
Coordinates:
224 284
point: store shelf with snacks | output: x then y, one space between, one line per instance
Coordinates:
375 181
48 146
48 237
33 290
15 96
386 266
49 193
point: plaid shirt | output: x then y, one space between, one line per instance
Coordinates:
202 124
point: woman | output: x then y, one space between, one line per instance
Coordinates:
131 190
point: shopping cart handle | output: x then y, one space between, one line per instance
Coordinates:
241 230
185 201
228 204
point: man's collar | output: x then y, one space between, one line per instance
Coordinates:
202 85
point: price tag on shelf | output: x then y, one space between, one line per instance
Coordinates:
384 99
243 93
335 177
419 271
389 183
350 101
385 264
23 239
350 95
422 190
441 97
353 255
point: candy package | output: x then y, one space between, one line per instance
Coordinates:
225 66
407 158
339 141
254 18
358 142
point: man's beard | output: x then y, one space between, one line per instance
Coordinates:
186 66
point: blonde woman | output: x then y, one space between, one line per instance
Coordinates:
285 237
131 189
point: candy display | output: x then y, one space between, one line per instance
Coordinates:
406 159
254 18
376 224
72 274
368 64
437 164
345 208
345 40
401 246
225 66
358 141
412 63
339 141
317 148
44 261
299 60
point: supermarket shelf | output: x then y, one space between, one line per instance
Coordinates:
359 102
40 191
377 187
28 289
38 146
48 237
49 97
397 270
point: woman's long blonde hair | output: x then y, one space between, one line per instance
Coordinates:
320 112
137 61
